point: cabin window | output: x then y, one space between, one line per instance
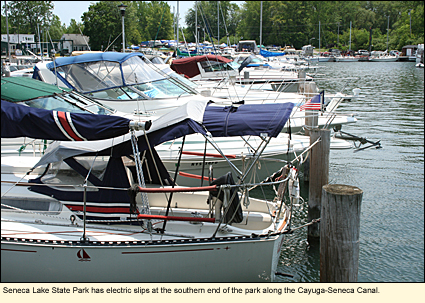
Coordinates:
214 66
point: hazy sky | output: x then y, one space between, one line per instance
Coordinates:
67 10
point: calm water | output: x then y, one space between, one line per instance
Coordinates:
392 178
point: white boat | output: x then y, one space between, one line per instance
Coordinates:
76 222
379 56
41 95
346 59
149 91
383 59
420 56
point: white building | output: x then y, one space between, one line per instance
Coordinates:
75 42
18 38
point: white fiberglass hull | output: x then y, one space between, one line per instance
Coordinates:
47 246
384 59
34 252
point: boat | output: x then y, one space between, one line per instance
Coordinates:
33 93
149 91
383 58
108 211
420 56
123 81
346 59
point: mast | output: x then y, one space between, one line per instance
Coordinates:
218 23
177 45
388 30
350 36
196 24
261 24
319 36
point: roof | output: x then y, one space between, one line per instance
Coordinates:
410 46
92 57
16 89
78 39
188 66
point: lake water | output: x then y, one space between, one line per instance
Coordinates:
392 178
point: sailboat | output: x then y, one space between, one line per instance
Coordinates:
108 211
23 152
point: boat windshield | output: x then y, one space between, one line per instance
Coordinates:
184 80
214 66
69 102
254 59
133 79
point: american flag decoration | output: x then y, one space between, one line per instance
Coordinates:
314 103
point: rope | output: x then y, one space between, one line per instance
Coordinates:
290 231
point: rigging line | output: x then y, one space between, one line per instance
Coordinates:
174 183
112 42
162 17
17 183
224 21
204 18
84 38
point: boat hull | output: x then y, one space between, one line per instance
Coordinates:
233 259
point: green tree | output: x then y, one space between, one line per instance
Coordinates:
56 28
207 15
159 21
74 27
28 16
103 24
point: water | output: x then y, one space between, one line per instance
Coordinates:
392 178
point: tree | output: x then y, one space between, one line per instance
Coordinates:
28 16
56 29
227 13
102 23
74 27
159 21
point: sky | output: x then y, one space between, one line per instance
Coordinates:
67 10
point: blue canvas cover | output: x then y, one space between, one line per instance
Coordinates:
265 53
108 56
247 119
22 121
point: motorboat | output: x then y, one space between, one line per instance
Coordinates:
243 69
132 83
122 81
108 211
33 93
346 59
383 58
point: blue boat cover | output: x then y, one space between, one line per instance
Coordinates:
108 56
247 119
265 53
23 121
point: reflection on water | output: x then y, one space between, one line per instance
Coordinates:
392 178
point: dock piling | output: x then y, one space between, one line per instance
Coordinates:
339 233
318 177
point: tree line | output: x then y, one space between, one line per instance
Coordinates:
290 23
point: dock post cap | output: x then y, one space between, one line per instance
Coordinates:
340 189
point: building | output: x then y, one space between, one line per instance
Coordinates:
408 53
74 42
18 38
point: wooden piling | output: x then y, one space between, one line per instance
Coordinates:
339 233
318 177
